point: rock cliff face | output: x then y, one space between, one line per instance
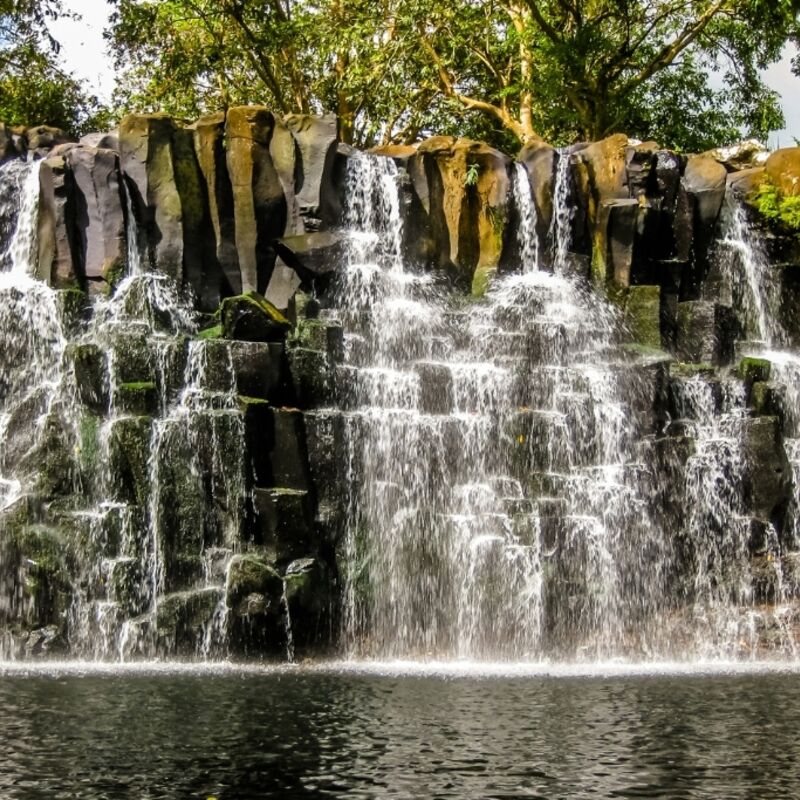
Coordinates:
238 515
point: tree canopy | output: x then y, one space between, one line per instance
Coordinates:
33 87
685 72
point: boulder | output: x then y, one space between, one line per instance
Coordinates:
744 155
99 211
704 181
747 181
252 318
259 203
783 170
317 139
42 138
600 176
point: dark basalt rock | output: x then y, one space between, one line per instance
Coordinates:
250 317
312 254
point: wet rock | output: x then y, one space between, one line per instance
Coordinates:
312 377
89 365
250 317
285 523
754 369
261 370
286 450
326 464
139 398
309 597
128 459
642 314
436 387
697 332
767 475
249 575
182 618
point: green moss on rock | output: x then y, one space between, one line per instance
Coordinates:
214 332
754 369
482 279
251 317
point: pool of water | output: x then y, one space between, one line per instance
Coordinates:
400 731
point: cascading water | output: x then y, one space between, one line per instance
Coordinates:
131 428
561 223
527 237
498 507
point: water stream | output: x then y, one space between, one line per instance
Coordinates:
493 460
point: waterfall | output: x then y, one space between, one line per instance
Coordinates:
744 261
527 237
561 223
133 248
31 336
491 460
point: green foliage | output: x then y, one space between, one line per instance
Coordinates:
471 175
33 88
499 70
778 208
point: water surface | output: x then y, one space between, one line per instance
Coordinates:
78 732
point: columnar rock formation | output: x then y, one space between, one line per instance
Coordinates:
243 211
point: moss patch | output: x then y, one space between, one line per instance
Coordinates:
776 207
754 369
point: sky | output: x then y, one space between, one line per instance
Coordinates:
84 53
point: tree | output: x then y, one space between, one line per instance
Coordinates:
581 69
509 71
33 88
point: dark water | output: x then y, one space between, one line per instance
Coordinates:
328 734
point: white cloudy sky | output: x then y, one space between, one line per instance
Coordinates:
84 52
